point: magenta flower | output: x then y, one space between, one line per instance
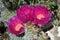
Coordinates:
15 25
24 13
41 15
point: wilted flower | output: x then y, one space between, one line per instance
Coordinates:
15 25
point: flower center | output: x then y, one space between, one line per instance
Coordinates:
40 16
18 27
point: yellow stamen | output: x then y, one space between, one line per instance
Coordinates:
40 16
18 27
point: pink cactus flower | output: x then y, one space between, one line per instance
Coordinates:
15 25
41 15
24 13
